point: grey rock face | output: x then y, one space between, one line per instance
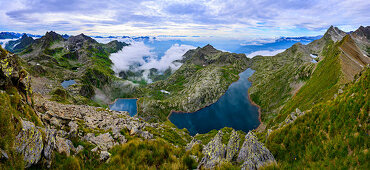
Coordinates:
253 154
74 128
232 148
29 143
50 143
117 135
104 155
145 134
62 146
79 149
191 144
55 122
134 130
214 152
103 141
3 154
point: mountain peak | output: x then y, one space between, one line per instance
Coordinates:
24 36
363 32
209 49
335 34
81 38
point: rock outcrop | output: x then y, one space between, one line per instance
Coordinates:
104 141
232 148
251 155
29 143
254 154
214 152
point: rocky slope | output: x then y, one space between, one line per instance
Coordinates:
200 81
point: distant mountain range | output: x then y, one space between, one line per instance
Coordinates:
14 35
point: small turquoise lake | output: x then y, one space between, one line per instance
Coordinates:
233 109
67 83
128 105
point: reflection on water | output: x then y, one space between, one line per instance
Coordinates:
67 83
128 105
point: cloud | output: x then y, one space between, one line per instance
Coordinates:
4 41
130 56
172 54
138 56
234 18
265 53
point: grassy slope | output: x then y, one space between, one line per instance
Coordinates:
333 134
274 76
322 85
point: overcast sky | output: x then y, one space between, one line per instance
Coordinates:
223 18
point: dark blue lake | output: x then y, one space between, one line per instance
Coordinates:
128 105
232 110
67 83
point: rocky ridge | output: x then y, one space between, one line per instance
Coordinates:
251 154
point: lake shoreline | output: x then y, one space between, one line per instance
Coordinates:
254 104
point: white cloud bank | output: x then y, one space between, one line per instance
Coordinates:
265 53
138 56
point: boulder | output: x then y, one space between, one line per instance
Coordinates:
253 154
55 122
3 154
62 145
145 134
73 128
103 141
134 129
50 143
29 143
117 135
104 155
79 149
232 148
190 145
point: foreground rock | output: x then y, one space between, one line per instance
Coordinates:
254 154
232 146
104 141
29 143
214 152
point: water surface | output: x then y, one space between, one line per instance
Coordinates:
67 83
128 105
232 110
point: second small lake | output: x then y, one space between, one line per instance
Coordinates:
233 109
128 105
67 83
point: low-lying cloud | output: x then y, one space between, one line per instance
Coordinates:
172 54
138 56
265 53
129 56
